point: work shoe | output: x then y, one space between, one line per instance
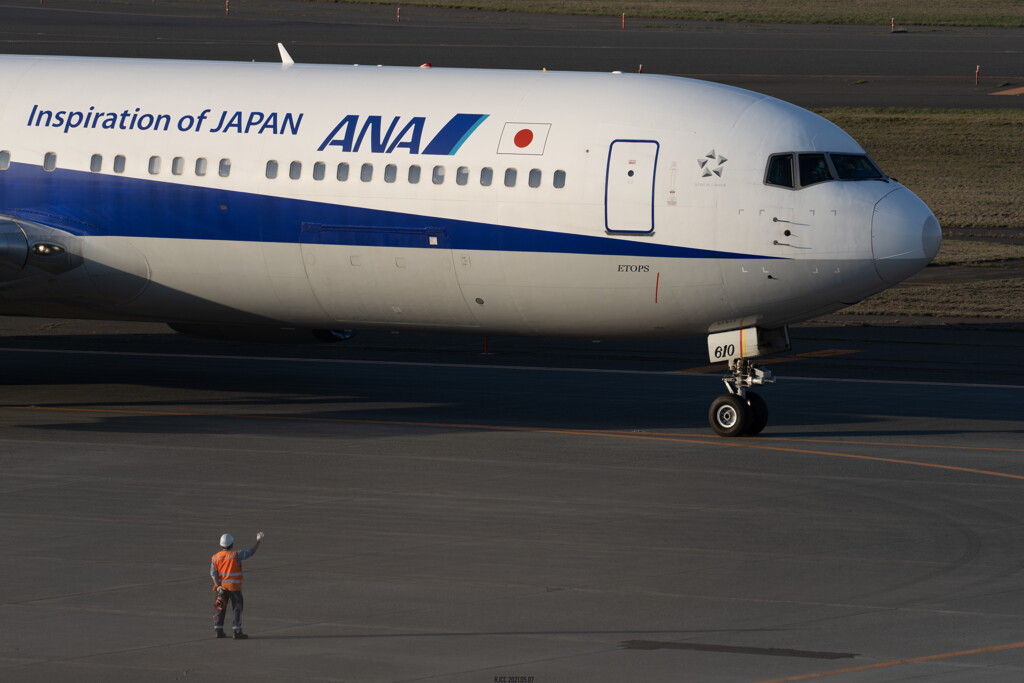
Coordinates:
220 634
240 636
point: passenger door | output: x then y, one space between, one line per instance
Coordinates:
629 186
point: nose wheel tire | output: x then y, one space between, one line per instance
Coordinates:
734 415
729 415
758 414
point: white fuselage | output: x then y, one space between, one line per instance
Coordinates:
492 201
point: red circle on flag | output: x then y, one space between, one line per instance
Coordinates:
523 138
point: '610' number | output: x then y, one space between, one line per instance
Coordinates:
725 351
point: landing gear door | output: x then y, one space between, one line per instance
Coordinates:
629 186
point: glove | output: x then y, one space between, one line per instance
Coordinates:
259 536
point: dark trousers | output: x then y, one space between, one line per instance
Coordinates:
234 598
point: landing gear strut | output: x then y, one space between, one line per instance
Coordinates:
740 412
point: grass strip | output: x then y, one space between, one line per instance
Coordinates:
968 166
878 12
994 299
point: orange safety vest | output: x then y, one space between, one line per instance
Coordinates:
229 568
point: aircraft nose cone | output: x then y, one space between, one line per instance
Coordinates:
905 235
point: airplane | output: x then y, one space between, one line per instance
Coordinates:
242 196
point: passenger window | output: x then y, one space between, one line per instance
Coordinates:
224 169
96 163
461 175
535 177
50 161
414 174
200 166
319 170
271 169
486 176
780 170
813 169
295 170
559 179
119 163
366 173
438 175
510 177
855 167
178 165
390 173
342 174
5 160
154 165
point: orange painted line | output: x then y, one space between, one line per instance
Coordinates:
904 445
733 443
874 458
824 353
342 420
705 369
899 662
1011 91
281 418
890 444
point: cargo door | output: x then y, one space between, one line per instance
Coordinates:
384 275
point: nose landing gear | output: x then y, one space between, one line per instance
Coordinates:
740 412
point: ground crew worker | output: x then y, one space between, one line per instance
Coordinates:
226 572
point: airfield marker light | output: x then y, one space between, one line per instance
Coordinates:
892 25
977 74
398 15
641 69
227 7
623 20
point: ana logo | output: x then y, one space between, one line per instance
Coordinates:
711 164
355 133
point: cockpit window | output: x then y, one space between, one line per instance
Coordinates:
813 169
855 167
780 170
818 167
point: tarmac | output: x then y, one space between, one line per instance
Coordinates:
550 510
554 511
812 66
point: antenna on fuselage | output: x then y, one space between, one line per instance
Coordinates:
286 58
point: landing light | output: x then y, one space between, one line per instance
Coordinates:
43 249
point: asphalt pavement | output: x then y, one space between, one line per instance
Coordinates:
813 66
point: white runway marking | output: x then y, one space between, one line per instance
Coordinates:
536 368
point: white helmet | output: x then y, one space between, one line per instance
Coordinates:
227 540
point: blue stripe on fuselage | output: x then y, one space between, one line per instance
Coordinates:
450 138
84 203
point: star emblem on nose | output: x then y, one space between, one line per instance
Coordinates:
711 164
